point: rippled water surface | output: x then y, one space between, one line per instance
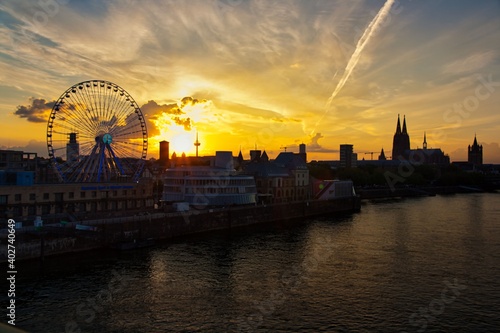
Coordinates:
428 264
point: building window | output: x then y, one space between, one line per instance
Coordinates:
45 196
82 194
17 197
32 196
3 199
71 195
94 194
124 192
115 193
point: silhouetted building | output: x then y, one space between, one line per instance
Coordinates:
18 167
239 161
255 155
74 201
475 153
302 152
285 179
217 184
164 153
72 149
401 141
348 158
428 155
11 160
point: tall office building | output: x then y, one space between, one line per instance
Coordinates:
348 158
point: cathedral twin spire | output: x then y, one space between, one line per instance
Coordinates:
398 126
401 142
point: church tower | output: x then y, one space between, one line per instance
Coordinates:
401 141
382 157
475 151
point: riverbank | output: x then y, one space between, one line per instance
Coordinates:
67 237
39 242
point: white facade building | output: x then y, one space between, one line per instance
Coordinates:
216 185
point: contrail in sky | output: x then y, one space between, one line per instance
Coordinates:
365 38
353 61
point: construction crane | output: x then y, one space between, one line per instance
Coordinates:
371 153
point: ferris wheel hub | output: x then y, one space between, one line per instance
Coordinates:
104 138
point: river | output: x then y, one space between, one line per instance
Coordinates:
410 265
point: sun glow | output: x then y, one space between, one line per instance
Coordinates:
178 128
181 141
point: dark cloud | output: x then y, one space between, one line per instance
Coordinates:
152 110
183 122
314 145
37 111
191 101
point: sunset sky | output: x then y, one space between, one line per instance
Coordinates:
260 73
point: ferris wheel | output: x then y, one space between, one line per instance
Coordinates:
97 133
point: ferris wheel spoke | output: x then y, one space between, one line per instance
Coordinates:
120 105
87 113
122 150
64 126
78 126
76 171
78 108
113 107
130 143
126 132
95 99
86 150
123 110
110 101
129 122
130 135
